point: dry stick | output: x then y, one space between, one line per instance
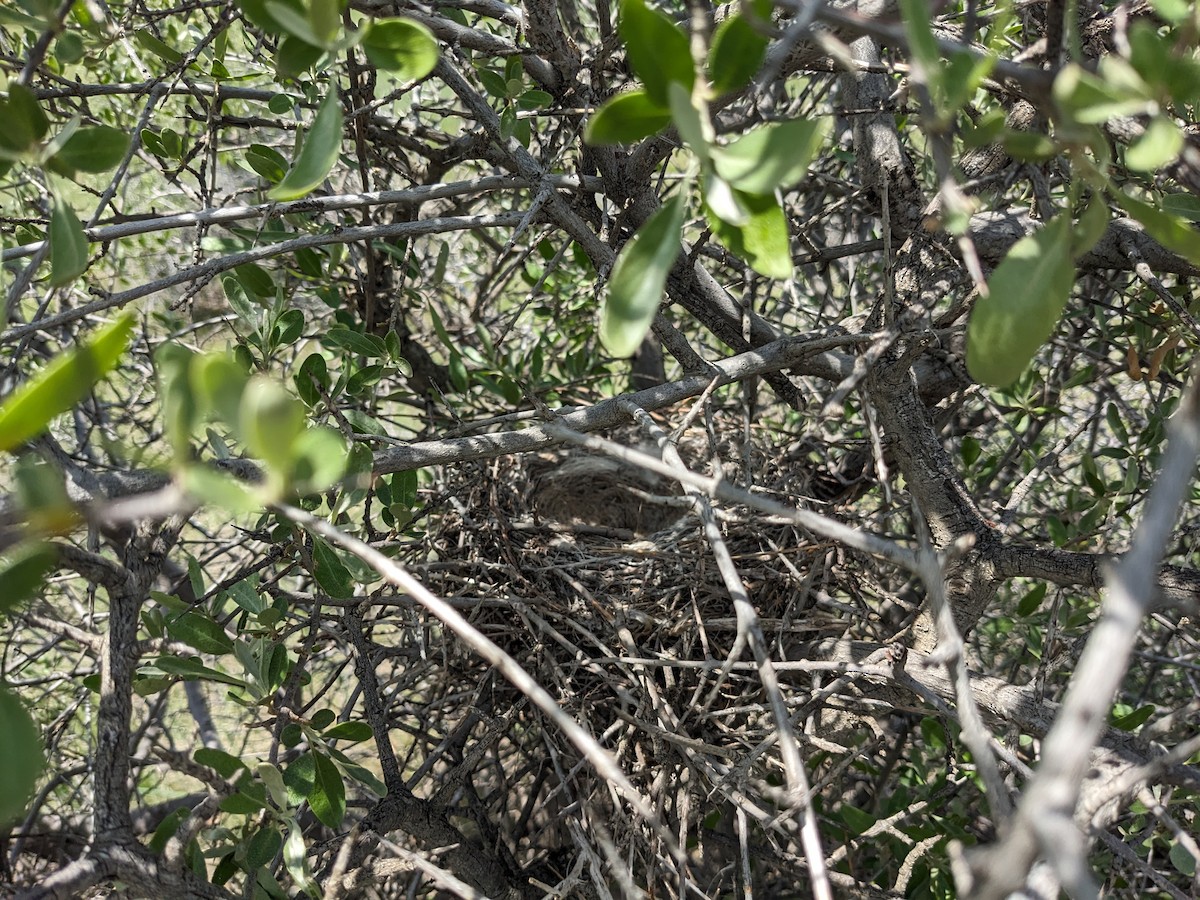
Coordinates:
310 206
1143 271
1043 821
749 630
215 267
950 652
400 577
444 879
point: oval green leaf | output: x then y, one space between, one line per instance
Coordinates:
331 573
402 46
267 162
317 155
626 119
22 571
762 240
737 52
224 764
68 245
328 795
638 278
1026 296
658 51
21 750
270 419
262 847
693 127
773 156
200 632
95 149
319 459
62 384
349 731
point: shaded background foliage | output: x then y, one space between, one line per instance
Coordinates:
236 699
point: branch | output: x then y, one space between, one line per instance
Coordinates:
1043 820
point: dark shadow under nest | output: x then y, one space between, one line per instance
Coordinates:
598 581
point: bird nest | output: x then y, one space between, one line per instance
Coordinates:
599 581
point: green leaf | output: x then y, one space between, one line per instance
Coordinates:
658 51
325 18
180 413
242 804
1031 601
68 244
331 573
626 119
1092 99
295 19
191 669
328 796
299 777
61 384
1159 145
1186 206
1134 720
1167 229
402 46
151 44
217 383
772 156
1091 226
1180 856
20 20
917 18
23 570
270 419
737 52
1029 146
295 56
262 847
224 764
288 327
313 369
25 122
95 149
534 99
295 856
322 718
692 127
404 488
856 819
493 82
200 632
639 276
356 341
762 241
971 450
41 494
319 459
317 155
349 731
255 280
459 376
219 489
1026 296
167 828
272 778
21 750
245 594
364 777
